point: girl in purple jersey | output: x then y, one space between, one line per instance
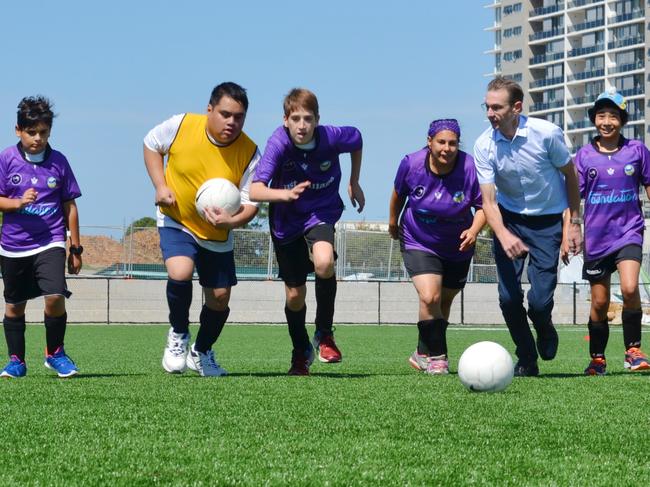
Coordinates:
610 170
435 191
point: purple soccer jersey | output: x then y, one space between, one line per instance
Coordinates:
439 208
283 166
609 184
42 222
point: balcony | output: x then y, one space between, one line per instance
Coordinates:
581 3
581 124
580 51
586 25
637 14
544 58
547 82
637 90
545 34
627 41
639 64
586 74
539 107
583 99
546 10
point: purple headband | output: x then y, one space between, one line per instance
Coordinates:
444 124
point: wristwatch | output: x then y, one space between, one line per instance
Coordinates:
576 220
76 250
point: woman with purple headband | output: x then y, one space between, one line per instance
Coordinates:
435 191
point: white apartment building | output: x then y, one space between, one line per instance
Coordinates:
565 52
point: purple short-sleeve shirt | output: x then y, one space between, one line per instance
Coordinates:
609 184
438 208
42 222
283 166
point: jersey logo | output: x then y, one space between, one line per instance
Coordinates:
325 165
629 169
610 171
34 180
304 166
459 197
437 194
592 173
51 182
418 192
15 179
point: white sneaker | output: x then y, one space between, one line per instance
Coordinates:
173 360
205 363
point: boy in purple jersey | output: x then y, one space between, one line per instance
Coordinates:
610 171
299 174
437 233
37 198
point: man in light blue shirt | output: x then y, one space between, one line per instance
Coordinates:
527 180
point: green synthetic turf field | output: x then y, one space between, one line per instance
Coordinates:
370 420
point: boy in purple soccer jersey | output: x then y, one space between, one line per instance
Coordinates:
299 174
437 233
610 170
37 197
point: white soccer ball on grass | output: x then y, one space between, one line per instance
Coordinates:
218 193
485 367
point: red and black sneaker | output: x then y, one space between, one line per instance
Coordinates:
328 352
300 361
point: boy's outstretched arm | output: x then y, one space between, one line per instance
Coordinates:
72 223
354 189
259 191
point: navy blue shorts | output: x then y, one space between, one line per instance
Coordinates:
42 274
215 269
598 269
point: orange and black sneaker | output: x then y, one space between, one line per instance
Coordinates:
636 360
300 361
328 352
597 366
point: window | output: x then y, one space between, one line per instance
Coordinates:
593 39
595 63
594 14
627 7
553 95
511 56
556 117
594 88
553 23
555 46
629 57
555 71
509 9
514 77
512 31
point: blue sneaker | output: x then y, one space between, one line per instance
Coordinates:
61 363
15 368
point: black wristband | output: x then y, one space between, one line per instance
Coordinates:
76 250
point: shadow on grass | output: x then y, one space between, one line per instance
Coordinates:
100 376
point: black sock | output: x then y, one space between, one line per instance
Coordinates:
325 297
179 299
297 329
55 331
15 336
432 337
632 327
598 337
212 322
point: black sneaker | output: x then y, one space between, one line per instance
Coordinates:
530 370
547 342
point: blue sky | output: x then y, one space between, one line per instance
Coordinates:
115 69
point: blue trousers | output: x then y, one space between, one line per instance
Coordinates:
543 236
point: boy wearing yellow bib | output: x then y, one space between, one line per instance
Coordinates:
198 148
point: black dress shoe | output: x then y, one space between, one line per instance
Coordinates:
547 342
529 370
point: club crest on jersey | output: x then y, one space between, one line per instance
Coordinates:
15 179
289 165
418 192
629 169
437 194
304 166
610 171
51 182
34 180
459 196
325 165
592 173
